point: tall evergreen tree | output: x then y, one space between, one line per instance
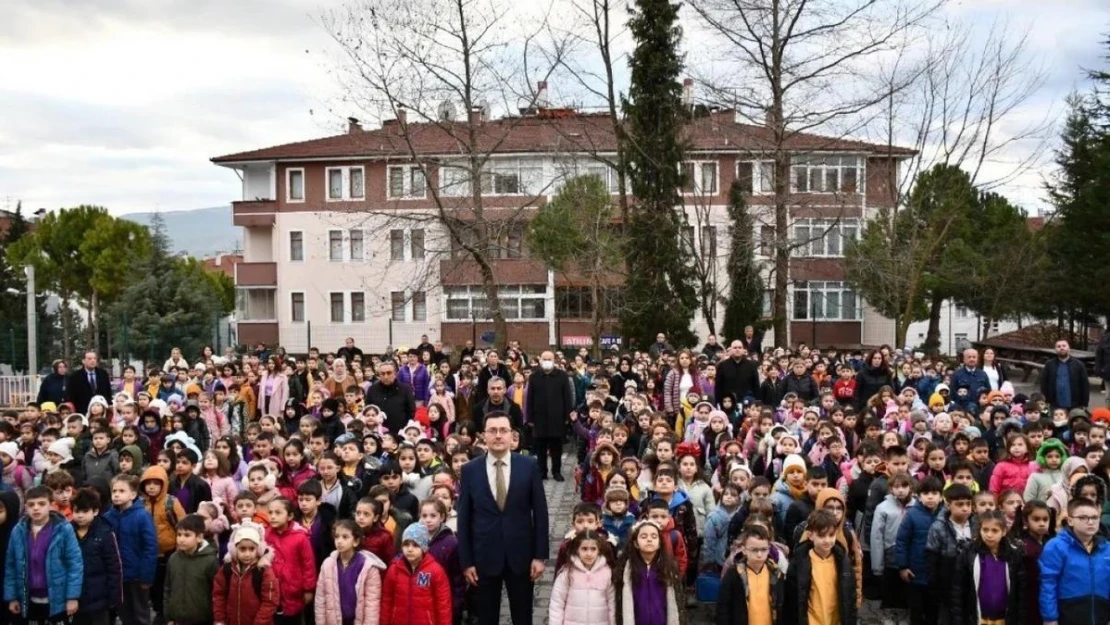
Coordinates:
744 306
660 295
13 306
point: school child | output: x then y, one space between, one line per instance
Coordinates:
215 470
802 507
1009 502
132 460
375 537
138 543
1075 565
245 591
43 586
692 482
585 516
317 518
602 465
674 543
186 486
336 488
980 456
1035 531
616 519
1013 471
583 593
294 563
820 583
406 602
444 547
790 488
349 573
988 579
262 483
295 471
61 485
909 550
103 587
715 549
649 584
248 510
751 590
101 461
15 476
950 533
190 573
1050 460
165 510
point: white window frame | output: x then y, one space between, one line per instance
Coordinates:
824 289
343 307
759 175
512 296
407 192
830 228
404 244
423 296
962 312
346 195
349 306
289 185
293 308
342 246
351 244
304 249
572 168
823 164
394 307
697 181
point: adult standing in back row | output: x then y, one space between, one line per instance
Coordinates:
737 375
1064 380
86 383
548 402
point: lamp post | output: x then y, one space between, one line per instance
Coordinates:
32 323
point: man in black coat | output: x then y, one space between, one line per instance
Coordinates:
493 369
53 387
496 401
751 341
394 399
1064 381
87 382
737 375
548 402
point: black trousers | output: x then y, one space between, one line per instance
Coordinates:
542 447
923 607
488 597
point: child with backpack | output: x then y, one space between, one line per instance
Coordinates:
349 572
138 543
189 574
165 511
245 591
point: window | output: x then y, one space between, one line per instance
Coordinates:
294 185
961 312
335 245
255 304
336 300
826 301
357 247
454 179
961 341
419 306
768 303
396 245
296 246
518 303
358 307
745 176
346 183
568 169
709 242
699 177
407 181
823 238
825 174
577 302
767 240
397 302
498 177
507 240
416 243
296 307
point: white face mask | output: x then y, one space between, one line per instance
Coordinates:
547 365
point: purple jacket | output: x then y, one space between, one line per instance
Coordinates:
420 381
444 547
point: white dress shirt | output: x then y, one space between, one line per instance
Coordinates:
491 472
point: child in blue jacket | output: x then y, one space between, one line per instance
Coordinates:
138 545
909 550
43 568
1075 567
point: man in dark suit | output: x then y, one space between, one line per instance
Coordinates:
503 525
87 382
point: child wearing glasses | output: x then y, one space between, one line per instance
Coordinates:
1074 568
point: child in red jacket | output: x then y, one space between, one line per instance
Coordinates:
245 590
425 600
294 560
674 543
375 537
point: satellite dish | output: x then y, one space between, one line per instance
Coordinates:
446 111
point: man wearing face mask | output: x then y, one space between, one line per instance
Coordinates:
548 404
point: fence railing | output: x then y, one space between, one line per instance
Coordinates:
17 390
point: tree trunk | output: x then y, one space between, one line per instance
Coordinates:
932 336
595 317
67 351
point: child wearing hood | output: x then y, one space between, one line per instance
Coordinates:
15 476
246 590
166 511
1050 460
131 460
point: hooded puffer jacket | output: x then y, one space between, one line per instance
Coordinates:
444 547
1060 493
416 597
583 595
1040 483
1011 474
234 600
368 591
294 565
164 526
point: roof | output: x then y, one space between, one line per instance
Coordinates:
583 132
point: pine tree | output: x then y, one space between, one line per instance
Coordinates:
744 306
660 295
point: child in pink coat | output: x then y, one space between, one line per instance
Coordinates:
359 572
583 592
1013 471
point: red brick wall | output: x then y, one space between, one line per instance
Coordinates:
838 333
531 334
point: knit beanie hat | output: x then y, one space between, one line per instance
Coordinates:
63 447
9 449
793 462
418 534
247 532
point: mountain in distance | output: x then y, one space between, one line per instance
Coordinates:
198 232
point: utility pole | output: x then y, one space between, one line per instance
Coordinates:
32 323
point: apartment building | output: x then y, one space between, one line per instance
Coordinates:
341 235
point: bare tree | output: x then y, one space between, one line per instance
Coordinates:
441 68
796 66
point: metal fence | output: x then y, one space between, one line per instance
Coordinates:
17 390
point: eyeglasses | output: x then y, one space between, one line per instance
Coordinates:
1085 519
498 430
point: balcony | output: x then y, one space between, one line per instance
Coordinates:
255 213
256 274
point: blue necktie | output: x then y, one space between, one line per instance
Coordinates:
92 380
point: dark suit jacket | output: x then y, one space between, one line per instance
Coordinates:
492 540
78 391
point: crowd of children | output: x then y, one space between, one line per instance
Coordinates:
186 501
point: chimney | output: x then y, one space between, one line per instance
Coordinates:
353 126
688 94
541 95
402 115
769 118
475 115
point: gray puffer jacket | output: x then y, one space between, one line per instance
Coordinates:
884 533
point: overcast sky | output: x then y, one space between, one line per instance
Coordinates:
122 102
